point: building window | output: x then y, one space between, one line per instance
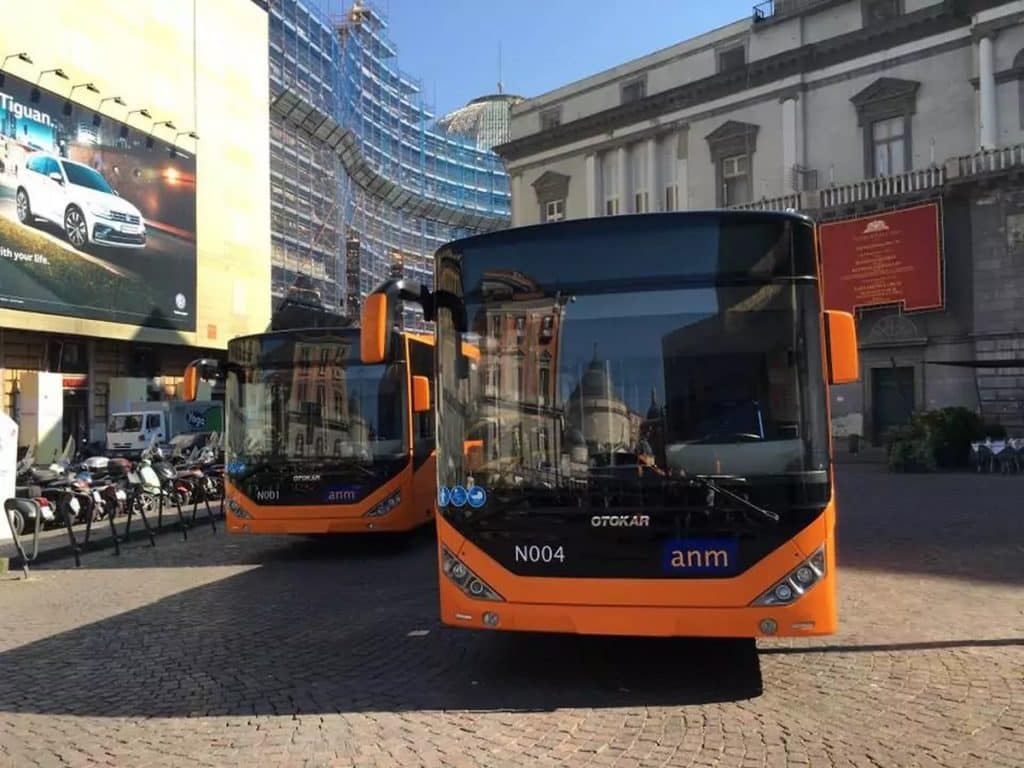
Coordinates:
552 190
880 11
885 112
554 210
550 118
671 198
732 58
520 377
732 146
736 180
610 182
493 380
544 379
542 444
520 329
888 143
638 176
634 90
496 327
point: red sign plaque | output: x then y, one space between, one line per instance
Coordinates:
890 258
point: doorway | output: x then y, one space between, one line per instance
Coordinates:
892 399
76 415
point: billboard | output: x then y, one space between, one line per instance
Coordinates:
97 220
884 259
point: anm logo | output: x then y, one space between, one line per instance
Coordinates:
685 557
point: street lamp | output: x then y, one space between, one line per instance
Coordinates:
19 56
58 72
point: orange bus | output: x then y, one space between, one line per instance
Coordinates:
319 443
650 406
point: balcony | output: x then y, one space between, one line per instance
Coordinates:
922 182
776 10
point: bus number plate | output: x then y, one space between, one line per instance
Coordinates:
267 495
533 553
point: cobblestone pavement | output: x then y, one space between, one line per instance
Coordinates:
281 651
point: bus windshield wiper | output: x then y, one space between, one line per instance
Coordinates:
714 487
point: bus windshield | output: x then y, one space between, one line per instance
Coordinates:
305 400
644 355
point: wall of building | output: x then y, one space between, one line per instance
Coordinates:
201 65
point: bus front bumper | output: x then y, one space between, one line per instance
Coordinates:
813 614
321 525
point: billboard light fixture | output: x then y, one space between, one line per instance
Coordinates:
116 99
191 134
168 123
35 95
19 56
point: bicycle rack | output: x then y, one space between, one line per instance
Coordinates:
135 482
166 489
37 527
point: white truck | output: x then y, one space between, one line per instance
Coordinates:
131 430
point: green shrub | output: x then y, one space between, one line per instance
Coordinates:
939 438
951 431
914 455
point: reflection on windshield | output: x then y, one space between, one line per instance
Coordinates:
125 423
715 380
313 403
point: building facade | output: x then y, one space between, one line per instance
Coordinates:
134 203
840 109
365 183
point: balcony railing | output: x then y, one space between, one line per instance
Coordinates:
963 168
779 9
988 161
882 186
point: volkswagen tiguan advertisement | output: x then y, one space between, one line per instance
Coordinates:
97 218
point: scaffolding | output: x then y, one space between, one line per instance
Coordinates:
360 167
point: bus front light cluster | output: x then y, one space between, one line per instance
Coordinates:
797 582
238 510
386 506
465 579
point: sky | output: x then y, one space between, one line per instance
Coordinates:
451 46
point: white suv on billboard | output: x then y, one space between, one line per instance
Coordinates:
78 199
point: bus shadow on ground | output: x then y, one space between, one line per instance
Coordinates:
278 640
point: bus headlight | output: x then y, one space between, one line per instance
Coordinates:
238 510
796 582
468 582
385 506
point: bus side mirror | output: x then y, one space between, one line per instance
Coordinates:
841 338
197 370
374 332
420 394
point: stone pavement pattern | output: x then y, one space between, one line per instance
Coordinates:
281 651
